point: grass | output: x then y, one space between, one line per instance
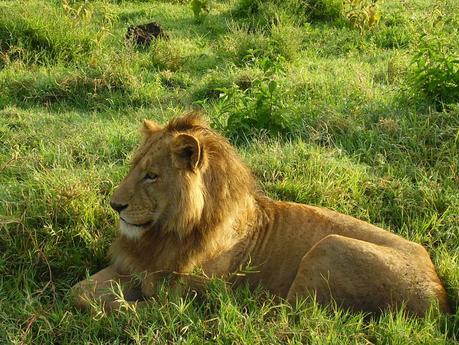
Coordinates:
353 127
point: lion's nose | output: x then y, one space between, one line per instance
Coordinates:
117 207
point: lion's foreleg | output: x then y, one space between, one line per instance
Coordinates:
106 287
178 283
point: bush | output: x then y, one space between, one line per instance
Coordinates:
436 70
200 9
362 14
259 108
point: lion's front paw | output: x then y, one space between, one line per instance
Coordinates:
96 293
81 296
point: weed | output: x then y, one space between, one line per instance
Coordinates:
200 9
436 70
258 108
362 14
260 15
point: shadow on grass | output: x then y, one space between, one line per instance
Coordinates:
87 90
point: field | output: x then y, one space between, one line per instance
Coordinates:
353 107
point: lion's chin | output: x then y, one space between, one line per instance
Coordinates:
132 232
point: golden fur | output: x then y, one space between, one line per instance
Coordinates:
189 202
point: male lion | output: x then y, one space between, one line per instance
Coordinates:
189 202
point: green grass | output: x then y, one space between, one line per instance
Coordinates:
353 127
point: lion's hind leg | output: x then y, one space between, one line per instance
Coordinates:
363 276
105 288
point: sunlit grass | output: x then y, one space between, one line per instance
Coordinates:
358 138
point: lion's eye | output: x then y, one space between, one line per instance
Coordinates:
151 177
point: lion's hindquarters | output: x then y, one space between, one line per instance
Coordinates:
363 276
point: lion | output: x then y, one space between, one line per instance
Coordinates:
189 203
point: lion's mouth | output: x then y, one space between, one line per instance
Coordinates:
137 225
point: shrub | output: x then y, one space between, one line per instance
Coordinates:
362 14
435 70
259 108
200 9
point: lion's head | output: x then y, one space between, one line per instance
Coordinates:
184 176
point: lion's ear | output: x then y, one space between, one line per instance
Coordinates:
149 127
186 152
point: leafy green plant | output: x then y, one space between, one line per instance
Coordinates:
436 70
362 14
200 9
258 108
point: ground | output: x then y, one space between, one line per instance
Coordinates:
326 106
